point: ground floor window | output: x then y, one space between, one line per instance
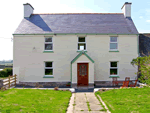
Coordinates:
113 68
48 68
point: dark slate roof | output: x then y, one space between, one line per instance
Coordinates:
144 44
77 23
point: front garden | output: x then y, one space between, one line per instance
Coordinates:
34 100
130 100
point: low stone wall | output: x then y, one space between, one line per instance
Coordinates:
103 83
44 84
90 85
1 84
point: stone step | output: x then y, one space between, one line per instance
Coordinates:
84 90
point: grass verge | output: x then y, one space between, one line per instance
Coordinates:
100 103
132 100
34 100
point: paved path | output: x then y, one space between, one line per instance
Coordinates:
84 103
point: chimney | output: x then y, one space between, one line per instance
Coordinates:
28 10
126 8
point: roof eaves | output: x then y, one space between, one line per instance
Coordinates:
75 34
71 13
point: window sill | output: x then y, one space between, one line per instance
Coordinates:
48 51
113 51
111 76
81 51
48 77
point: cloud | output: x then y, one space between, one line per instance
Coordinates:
144 31
147 20
148 10
141 17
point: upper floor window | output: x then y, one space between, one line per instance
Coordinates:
114 43
81 43
48 44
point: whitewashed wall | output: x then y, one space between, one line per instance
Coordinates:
28 63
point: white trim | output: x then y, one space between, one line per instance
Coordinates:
114 68
48 75
83 62
48 50
48 36
48 68
114 43
48 43
81 43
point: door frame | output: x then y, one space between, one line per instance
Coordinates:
87 72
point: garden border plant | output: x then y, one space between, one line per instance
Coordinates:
143 70
6 72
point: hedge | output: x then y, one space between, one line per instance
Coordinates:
6 72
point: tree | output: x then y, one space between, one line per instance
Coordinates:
143 72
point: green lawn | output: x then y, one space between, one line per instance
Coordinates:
34 100
132 100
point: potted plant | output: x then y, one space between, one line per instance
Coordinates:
68 84
56 88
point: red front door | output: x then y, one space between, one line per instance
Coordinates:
82 71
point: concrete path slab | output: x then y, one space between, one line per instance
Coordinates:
78 103
97 112
95 107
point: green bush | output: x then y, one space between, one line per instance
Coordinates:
6 72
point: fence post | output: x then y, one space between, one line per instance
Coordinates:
1 84
15 79
9 81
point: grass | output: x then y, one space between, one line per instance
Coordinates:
34 100
101 103
132 100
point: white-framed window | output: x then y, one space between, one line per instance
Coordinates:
81 43
113 43
48 68
48 44
113 68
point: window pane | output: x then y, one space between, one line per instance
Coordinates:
48 39
113 72
113 45
48 71
48 46
81 39
113 39
81 46
82 70
113 64
48 64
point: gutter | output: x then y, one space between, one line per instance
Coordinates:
76 34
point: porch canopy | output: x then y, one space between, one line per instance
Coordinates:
82 70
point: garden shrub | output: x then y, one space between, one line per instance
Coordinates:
144 68
6 72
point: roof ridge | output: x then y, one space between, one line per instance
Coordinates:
72 13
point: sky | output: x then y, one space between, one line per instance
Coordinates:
12 12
